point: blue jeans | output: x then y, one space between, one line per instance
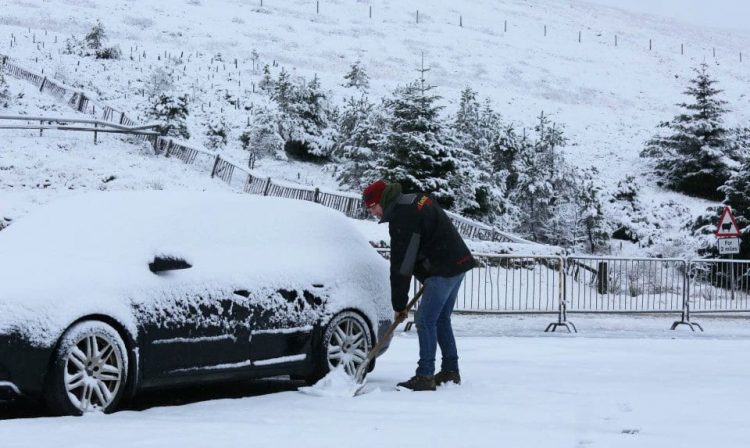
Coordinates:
433 321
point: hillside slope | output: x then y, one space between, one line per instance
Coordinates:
609 96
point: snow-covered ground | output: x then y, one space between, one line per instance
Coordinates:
605 387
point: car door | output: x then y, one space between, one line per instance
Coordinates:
283 321
191 328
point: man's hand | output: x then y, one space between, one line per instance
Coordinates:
400 316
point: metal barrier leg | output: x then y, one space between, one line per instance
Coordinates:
685 319
562 321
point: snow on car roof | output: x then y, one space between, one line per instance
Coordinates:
89 251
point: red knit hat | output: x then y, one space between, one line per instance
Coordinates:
372 194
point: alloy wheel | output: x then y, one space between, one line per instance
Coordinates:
94 372
348 345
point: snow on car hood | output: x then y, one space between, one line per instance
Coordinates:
89 254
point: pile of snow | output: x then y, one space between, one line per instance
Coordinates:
337 384
91 253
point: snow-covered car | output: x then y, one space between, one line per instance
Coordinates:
106 294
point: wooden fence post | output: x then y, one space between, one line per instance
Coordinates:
96 125
317 193
268 185
602 278
216 163
41 87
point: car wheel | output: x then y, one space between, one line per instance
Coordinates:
346 342
89 370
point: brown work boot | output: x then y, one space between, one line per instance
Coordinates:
447 377
418 383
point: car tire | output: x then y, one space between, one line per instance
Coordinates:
346 340
89 370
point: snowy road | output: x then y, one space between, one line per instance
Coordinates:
645 387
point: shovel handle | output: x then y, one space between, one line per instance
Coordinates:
359 375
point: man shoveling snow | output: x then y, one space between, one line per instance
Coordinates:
424 243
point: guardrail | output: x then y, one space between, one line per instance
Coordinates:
63 124
527 284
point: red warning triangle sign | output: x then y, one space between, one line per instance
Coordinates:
727 227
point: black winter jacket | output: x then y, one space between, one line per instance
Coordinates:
424 243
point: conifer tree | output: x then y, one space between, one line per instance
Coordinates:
540 179
415 149
480 188
216 132
360 142
262 135
357 78
173 113
310 114
267 83
691 158
96 38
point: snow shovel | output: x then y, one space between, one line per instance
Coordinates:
359 375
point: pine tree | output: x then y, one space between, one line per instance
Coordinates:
173 113
262 135
415 150
216 132
480 188
312 134
357 78
267 83
541 182
692 157
4 92
739 144
96 37
360 142
591 220
283 91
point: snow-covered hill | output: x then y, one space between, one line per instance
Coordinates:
609 89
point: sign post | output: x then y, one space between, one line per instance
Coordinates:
728 234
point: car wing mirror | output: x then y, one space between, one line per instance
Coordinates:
164 263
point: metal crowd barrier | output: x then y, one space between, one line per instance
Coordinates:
528 284
718 286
